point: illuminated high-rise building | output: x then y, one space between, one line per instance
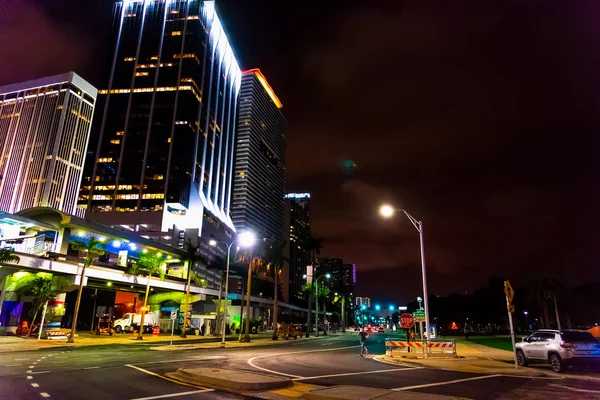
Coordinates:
260 159
44 132
297 233
162 155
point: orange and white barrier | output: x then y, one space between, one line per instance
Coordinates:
447 347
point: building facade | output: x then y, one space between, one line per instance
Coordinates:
162 156
296 232
343 276
44 132
260 159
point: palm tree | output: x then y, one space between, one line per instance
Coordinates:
149 264
191 257
275 258
93 249
7 256
543 289
314 246
41 290
343 297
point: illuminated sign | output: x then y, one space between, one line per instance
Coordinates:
297 196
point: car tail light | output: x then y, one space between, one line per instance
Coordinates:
568 346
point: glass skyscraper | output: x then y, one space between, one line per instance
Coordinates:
260 159
44 133
163 145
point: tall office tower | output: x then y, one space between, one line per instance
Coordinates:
296 232
163 155
44 132
258 186
349 277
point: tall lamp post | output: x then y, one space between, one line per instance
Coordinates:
244 239
327 276
388 211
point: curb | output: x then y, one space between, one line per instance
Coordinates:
213 380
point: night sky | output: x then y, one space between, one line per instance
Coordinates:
478 117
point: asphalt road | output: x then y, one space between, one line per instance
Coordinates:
137 372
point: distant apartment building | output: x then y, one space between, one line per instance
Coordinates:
162 157
258 186
343 276
296 233
363 301
44 132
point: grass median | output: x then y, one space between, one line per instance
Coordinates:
496 342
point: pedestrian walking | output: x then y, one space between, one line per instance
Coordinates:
363 338
466 330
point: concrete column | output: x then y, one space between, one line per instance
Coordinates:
64 235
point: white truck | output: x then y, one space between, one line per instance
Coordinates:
131 321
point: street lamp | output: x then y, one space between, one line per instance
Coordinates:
244 239
391 307
377 307
326 276
387 211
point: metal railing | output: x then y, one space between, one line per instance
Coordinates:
420 348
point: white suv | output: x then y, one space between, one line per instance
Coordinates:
558 348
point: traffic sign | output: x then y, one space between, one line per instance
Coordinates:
407 320
511 308
173 314
508 291
419 316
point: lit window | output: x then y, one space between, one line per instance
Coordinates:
129 58
242 173
148 196
106 159
169 140
154 58
125 187
120 133
158 177
176 33
174 12
144 73
115 141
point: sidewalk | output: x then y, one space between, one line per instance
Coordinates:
13 343
162 341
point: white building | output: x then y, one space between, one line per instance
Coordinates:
44 132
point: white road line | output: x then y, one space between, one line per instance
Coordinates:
357 373
31 366
40 372
91 367
44 394
164 396
29 377
35 385
575 389
21 359
43 357
28 371
13 365
251 360
34 363
447 382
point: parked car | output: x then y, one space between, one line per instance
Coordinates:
381 329
558 348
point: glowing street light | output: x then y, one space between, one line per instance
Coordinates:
391 307
387 211
244 239
377 307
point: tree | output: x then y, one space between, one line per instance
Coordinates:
191 257
314 246
275 259
343 298
41 290
149 264
93 249
543 289
7 256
